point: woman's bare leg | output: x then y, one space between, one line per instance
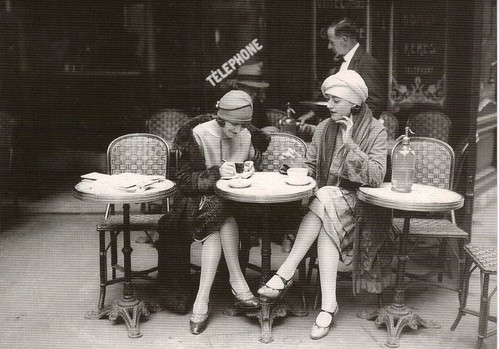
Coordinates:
229 235
328 256
210 258
309 229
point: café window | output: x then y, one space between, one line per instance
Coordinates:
488 71
418 54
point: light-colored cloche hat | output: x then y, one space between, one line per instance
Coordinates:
235 106
347 84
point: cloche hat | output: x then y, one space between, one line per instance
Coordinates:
235 106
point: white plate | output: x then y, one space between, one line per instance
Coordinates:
239 183
229 177
308 180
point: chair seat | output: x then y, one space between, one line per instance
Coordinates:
137 222
484 258
431 228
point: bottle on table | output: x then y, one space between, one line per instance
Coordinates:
403 164
289 124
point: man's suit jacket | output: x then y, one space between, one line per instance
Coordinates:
376 79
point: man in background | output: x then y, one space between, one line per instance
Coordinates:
349 55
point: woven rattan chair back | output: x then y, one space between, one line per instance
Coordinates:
166 123
279 143
391 125
141 153
434 164
274 116
432 124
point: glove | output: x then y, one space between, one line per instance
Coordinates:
228 169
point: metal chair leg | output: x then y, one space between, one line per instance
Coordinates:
483 320
103 268
463 295
114 252
442 252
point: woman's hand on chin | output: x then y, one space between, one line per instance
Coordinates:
346 125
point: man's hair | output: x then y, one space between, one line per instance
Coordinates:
345 27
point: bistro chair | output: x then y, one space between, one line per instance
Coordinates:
434 167
485 259
432 124
140 153
279 143
166 123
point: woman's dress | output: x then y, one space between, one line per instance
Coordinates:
340 169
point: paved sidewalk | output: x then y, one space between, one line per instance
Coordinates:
49 280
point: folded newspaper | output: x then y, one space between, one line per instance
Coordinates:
125 181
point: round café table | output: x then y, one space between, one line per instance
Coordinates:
128 306
422 198
268 189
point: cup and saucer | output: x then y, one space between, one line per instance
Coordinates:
298 176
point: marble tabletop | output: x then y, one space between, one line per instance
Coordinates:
104 192
422 198
266 187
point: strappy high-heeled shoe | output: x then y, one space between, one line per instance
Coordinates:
319 331
198 323
274 293
245 300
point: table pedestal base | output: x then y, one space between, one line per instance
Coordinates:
395 320
129 309
269 310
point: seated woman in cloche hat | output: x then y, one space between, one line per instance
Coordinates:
209 148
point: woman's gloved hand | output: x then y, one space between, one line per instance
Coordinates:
283 169
292 158
249 169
